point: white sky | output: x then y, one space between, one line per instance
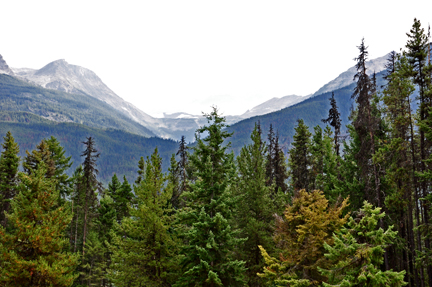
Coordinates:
171 56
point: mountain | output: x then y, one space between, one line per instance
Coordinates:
272 105
4 68
62 76
20 96
346 78
312 111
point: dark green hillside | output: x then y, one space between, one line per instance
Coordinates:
120 150
311 110
19 96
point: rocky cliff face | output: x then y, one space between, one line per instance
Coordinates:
60 75
4 68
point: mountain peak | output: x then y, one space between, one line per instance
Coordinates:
4 68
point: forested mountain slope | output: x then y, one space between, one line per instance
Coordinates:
19 96
119 150
311 110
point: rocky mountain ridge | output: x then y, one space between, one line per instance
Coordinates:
60 75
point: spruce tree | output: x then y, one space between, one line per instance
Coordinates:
254 211
141 171
417 51
366 125
357 252
396 157
97 260
34 252
335 121
40 154
211 241
9 162
122 196
299 157
61 164
90 185
143 248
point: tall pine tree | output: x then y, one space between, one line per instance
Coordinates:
9 163
208 257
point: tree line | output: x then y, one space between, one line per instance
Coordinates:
334 211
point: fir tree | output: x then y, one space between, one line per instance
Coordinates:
299 158
122 196
279 169
33 253
396 156
90 185
335 121
61 164
9 162
417 51
208 255
254 212
174 181
143 248
366 125
141 171
270 156
97 260
40 154
358 252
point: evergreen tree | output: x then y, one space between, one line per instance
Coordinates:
417 51
52 154
279 169
211 242
143 248
122 196
174 181
61 164
300 234
335 121
9 162
141 171
324 170
394 155
358 252
366 125
97 259
90 185
299 157
40 154
33 253
270 156
254 212
183 163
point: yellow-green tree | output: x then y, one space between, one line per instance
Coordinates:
300 234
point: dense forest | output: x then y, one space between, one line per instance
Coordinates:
339 209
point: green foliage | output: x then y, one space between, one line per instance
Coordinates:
208 256
300 158
143 248
119 150
255 208
9 162
34 252
300 234
357 252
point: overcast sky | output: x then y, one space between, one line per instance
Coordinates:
171 56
